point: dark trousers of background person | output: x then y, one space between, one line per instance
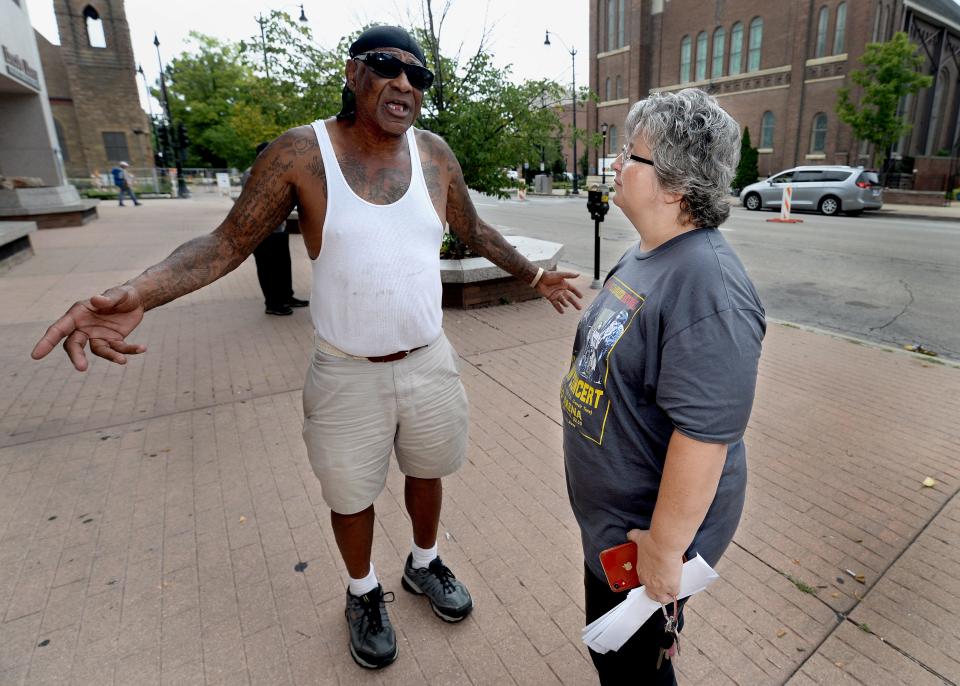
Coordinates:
636 661
125 188
273 270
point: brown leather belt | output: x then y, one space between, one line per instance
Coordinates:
330 349
393 357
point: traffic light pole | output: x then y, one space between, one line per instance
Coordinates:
182 190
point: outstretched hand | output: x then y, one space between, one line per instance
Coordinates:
103 321
554 287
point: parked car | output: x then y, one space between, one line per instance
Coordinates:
825 189
512 174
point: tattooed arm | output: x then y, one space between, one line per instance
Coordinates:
264 203
485 240
105 320
476 233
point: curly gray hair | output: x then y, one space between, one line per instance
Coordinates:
695 147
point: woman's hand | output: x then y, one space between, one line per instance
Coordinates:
659 570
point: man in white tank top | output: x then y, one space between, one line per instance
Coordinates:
373 194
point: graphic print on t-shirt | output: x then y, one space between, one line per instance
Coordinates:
583 393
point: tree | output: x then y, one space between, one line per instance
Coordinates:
490 123
890 72
209 86
305 80
747 171
220 91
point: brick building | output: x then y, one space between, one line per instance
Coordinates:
776 68
92 87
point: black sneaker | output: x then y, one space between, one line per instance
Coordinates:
279 310
448 597
296 302
373 644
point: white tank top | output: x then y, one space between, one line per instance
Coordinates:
376 281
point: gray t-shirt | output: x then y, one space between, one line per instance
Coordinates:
671 342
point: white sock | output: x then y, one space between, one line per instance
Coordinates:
359 587
422 557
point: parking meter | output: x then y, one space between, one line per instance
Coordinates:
597 201
597 205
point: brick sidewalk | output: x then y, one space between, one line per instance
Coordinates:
153 517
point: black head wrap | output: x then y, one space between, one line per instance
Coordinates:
371 39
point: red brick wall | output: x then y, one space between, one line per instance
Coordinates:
793 91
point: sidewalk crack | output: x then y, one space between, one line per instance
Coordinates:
841 616
916 661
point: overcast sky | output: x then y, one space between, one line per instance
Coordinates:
517 37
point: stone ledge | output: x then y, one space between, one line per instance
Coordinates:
477 282
928 198
76 214
472 269
15 246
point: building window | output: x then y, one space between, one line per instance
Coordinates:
756 41
701 56
606 89
612 140
95 35
718 38
685 59
61 141
611 24
840 29
766 130
621 23
822 18
115 145
818 136
736 48
619 88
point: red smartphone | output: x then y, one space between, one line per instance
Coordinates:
620 566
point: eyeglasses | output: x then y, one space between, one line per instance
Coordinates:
389 67
636 158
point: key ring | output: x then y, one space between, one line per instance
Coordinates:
670 620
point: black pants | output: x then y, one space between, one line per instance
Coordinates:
273 269
635 664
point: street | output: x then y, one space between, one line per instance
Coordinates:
881 279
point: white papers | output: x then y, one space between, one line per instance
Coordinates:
613 629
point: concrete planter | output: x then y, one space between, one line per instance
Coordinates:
477 282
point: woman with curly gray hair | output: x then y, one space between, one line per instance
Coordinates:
663 372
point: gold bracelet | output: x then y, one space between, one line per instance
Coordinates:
536 279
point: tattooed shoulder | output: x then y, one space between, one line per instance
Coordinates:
435 159
298 141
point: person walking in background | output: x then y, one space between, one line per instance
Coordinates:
663 373
122 179
274 271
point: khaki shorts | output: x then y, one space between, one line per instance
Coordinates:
356 411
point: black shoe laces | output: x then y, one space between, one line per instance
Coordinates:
443 575
373 612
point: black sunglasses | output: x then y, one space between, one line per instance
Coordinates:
389 67
636 158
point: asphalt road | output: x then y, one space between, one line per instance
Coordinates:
880 279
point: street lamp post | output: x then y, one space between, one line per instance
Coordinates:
146 88
182 190
263 36
573 58
603 162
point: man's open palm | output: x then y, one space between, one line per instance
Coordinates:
103 321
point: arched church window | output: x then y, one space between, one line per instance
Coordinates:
94 23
